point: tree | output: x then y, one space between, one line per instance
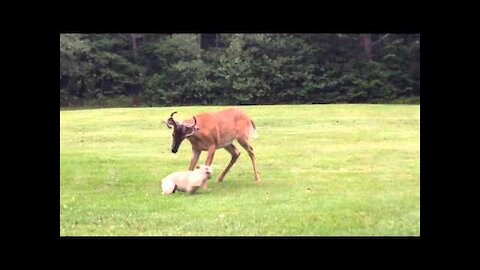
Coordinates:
75 68
168 69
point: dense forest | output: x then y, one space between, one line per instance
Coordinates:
174 69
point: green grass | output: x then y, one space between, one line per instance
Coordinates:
326 170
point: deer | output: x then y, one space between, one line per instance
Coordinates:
210 131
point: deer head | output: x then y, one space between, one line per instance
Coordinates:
180 131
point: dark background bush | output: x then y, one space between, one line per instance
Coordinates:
171 69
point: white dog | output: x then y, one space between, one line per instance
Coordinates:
188 181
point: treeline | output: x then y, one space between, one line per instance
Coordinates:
173 69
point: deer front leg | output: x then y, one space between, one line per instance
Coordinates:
211 153
194 160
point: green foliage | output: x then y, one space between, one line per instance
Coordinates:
169 69
184 76
75 67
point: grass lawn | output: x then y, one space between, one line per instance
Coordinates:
326 170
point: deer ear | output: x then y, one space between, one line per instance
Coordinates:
190 131
170 123
165 123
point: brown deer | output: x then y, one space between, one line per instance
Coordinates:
211 131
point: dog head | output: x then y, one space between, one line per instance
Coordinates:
205 169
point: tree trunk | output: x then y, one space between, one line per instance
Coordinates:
134 44
367 46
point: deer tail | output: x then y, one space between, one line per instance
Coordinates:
253 131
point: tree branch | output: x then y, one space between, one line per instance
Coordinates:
380 39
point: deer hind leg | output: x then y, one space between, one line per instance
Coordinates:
244 143
235 154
